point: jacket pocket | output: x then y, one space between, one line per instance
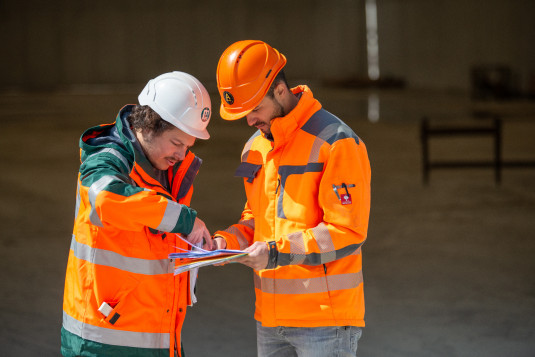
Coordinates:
110 311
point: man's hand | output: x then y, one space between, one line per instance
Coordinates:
258 256
200 233
219 242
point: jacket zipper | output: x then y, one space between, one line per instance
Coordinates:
152 185
144 181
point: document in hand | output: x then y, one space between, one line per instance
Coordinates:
198 257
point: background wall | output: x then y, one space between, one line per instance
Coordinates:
428 43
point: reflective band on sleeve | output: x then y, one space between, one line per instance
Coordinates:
114 153
315 150
308 286
115 337
297 248
325 243
242 240
94 190
328 127
115 260
78 199
248 223
318 258
170 217
247 147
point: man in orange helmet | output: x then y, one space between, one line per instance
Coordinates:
307 180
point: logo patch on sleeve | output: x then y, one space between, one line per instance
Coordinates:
345 198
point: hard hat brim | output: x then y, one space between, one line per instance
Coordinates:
225 114
199 134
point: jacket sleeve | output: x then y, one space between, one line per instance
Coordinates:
345 219
240 235
115 200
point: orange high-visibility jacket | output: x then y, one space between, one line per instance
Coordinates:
308 190
121 295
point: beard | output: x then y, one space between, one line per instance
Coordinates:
279 112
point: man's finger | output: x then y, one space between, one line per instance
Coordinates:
208 238
209 243
195 238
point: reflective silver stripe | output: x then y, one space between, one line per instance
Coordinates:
116 260
115 337
247 147
308 286
325 243
114 153
78 199
170 217
315 150
297 247
242 240
330 130
248 223
94 190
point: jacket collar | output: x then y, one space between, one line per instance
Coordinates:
129 138
284 128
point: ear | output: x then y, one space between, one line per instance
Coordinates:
280 89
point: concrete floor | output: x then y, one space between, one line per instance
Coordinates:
448 267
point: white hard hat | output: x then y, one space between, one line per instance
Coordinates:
180 99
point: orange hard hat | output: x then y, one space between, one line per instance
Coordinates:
244 74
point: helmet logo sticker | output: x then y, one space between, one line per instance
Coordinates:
228 98
205 114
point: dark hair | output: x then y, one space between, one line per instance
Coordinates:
143 118
280 77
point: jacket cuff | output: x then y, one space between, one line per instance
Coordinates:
185 221
232 241
273 255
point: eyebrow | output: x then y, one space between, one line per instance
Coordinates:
174 141
178 141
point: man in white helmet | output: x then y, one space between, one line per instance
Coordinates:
132 210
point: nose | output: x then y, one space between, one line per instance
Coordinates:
181 154
250 120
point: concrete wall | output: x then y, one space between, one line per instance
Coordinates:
429 43
433 43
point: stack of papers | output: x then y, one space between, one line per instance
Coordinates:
198 257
